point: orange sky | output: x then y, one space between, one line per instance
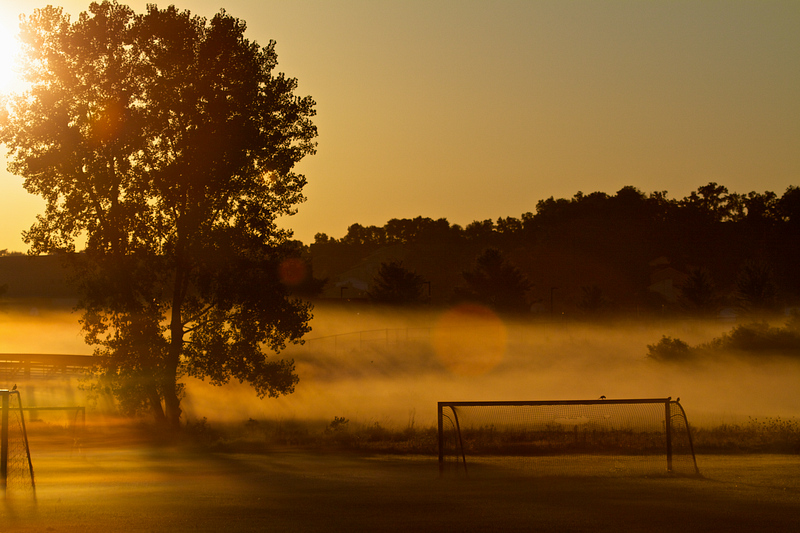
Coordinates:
475 110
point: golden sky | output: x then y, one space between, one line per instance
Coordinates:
471 110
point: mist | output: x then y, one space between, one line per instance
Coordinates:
390 367
374 365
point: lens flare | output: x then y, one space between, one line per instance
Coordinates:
470 340
292 271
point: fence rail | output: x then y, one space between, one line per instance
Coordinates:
44 366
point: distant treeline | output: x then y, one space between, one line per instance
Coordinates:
590 255
603 245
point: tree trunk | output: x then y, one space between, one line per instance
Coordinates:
172 403
155 404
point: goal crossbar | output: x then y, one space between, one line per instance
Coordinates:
557 402
465 439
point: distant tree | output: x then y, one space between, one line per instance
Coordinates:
437 231
785 236
755 287
479 230
788 206
757 210
419 229
396 285
364 235
321 238
593 302
167 141
496 283
710 203
551 212
630 196
528 221
698 293
509 226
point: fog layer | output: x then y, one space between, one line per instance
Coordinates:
372 365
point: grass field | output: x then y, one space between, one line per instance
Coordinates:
120 482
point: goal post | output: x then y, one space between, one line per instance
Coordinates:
16 467
557 437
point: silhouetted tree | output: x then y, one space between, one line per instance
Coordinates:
710 203
167 141
364 235
698 293
509 226
396 285
593 302
419 229
496 283
321 238
755 287
761 208
788 207
479 230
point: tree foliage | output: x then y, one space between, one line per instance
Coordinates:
755 287
396 285
167 142
669 350
698 293
497 283
593 302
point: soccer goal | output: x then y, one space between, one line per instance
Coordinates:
16 468
566 437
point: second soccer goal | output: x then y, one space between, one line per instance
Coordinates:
16 468
566 437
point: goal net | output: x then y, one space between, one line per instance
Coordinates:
16 468
571 437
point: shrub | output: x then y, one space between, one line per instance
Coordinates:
759 337
338 425
669 349
756 338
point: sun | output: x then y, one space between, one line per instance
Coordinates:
9 49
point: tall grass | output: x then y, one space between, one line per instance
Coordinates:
767 435
756 435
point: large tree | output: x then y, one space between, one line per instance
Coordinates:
166 143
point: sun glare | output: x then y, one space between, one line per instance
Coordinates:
9 48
